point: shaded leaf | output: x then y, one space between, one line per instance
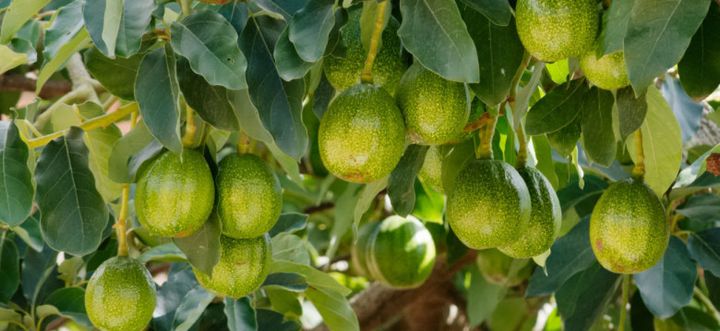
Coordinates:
700 66
704 248
565 140
39 275
9 268
615 22
209 101
114 74
584 296
289 223
16 187
309 29
116 26
240 314
290 65
688 112
202 248
70 302
289 247
315 278
29 232
498 12
365 198
631 111
286 8
289 281
270 320
190 308
164 253
181 280
556 109
597 126
401 183
483 297
124 148
334 309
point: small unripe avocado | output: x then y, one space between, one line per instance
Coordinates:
431 172
489 205
174 196
249 196
552 30
545 217
343 69
628 230
500 269
435 109
362 134
607 72
120 295
243 266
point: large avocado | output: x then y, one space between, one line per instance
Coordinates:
607 72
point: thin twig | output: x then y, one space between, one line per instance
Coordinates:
366 76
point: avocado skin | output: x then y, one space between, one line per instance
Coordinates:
244 264
249 196
174 197
435 109
431 172
360 248
343 70
552 30
120 295
545 217
362 134
607 72
628 230
489 204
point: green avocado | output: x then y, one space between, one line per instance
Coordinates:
431 172
343 67
500 269
360 248
249 196
489 205
545 217
435 109
628 230
120 295
174 196
243 266
552 30
607 72
362 134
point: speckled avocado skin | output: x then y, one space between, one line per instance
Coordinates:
608 72
362 134
552 30
244 264
435 109
489 205
545 217
402 253
360 248
431 172
174 197
343 70
249 196
120 295
628 230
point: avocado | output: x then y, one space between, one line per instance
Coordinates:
362 134
607 72
552 30
243 266
628 229
344 66
545 217
500 269
120 295
489 205
431 172
360 248
435 109
249 196
174 194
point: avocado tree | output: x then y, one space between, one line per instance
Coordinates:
359 165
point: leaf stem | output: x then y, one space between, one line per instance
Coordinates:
486 136
638 171
190 128
186 6
121 222
625 299
707 303
366 76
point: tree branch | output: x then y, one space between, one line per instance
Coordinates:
19 83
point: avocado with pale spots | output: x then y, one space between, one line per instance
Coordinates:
174 195
552 30
545 217
362 134
500 269
489 205
249 196
243 266
120 295
431 172
344 66
608 72
628 230
435 109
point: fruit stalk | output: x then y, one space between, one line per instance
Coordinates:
190 127
486 136
700 296
186 7
366 75
638 171
625 299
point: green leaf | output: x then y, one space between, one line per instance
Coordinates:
498 12
38 275
80 41
690 174
19 12
401 183
454 160
271 320
288 281
74 214
662 143
124 148
544 156
700 66
482 297
9 268
597 126
202 248
557 109
309 29
116 26
365 198
290 65
164 253
70 302
315 278
289 223
702 208
240 314
289 247
286 8
565 140
438 23
584 296
334 309
16 186
100 143
631 111
157 93
9 59
29 232
704 247
658 34
615 22
114 74
209 101
111 23
668 286
190 308
66 25
286 302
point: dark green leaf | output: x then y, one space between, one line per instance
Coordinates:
286 8
401 184
240 314
269 320
289 223
703 208
615 21
438 23
9 268
597 126
691 318
210 101
704 247
631 111
565 140
582 198
668 286
713 285
236 13
482 298
116 75
290 65
114 30
70 302
16 187
688 112
584 296
289 281
65 26
168 252
454 160
309 29
190 308
181 280
556 109
127 146
640 317
496 11
202 248
29 232
39 275
74 214
700 66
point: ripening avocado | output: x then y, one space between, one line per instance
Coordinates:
607 72
431 172
359 249
552 30
545 217
343 67
120 295
362 134
249 196
500 269
489 205
435 109
243 266
174 195
628 230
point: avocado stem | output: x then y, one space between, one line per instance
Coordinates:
190 128
625 298
366 75
486 136
121 222
638 171
700 296
522 146
245 143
